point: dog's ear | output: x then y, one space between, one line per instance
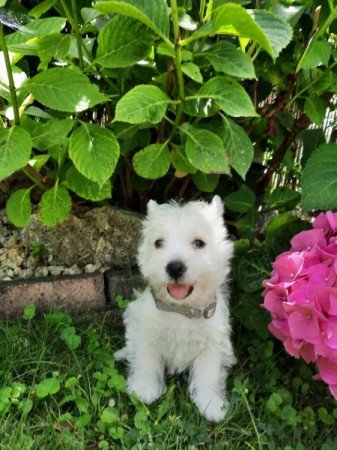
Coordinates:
151 206
218 205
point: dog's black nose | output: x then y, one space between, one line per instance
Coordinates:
175 269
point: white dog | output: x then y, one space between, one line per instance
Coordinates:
181 320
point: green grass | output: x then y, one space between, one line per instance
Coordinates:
60 389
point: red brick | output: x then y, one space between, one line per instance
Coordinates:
79 294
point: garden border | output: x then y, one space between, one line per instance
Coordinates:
71 293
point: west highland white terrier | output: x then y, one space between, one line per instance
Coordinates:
181 321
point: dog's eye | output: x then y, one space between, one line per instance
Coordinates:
198 243
159 243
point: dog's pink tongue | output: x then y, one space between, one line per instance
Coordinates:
178 291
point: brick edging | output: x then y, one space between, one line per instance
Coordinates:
78 293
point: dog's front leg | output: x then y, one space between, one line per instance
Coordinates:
207 385
146 376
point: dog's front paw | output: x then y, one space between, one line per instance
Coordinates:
212 406
146 390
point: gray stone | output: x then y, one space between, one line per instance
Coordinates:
41 272
27 273
123 282
91 268
74 270
55 270
106 236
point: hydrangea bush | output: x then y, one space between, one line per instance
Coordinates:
301 296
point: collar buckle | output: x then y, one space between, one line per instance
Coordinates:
209 311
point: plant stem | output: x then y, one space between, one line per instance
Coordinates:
202 10
77 34
175 18
310 84
322 29
34 176
75 29
252 420
179 72
10 76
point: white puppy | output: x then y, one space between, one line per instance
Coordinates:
181 320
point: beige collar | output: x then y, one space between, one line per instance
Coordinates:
188 311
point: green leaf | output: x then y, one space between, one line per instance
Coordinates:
38 161
192 71
153 14
280 230
290 13
52 46
247 224
199 107
165 49
315 108
29 312
321 165
58 318
325 417
65 90
266 28
95 151
281 197
15 148
153 161
109 415
239 146
229 95
48 386
83 420
55 205
89 14
227 58
69 336
41 8
205 182
180 162
34 111
234 20
326 82
50 133
123 42
59 152
316 54
86 188
311 139
19 207
240 201
253 268
204 150
277 30
23 49
26 406
143 103
36 28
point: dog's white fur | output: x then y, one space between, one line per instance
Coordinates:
157 340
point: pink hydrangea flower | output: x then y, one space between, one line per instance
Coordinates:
301 296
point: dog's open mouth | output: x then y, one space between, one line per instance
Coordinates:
179 291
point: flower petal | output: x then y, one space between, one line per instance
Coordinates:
327 370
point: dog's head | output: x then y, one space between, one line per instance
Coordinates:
185 253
